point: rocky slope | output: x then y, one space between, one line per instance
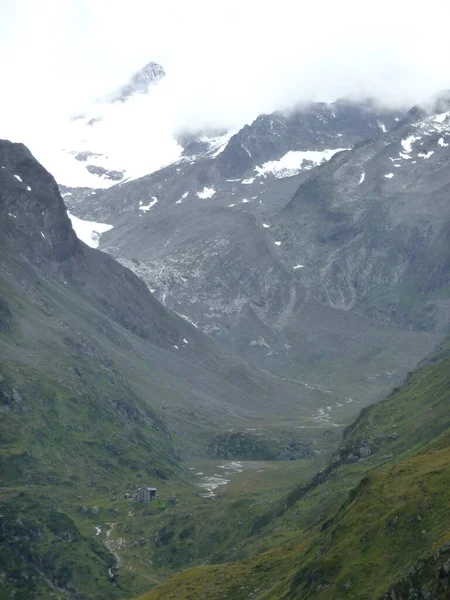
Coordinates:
314 128
276 283
382 249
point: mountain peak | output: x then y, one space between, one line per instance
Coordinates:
141 81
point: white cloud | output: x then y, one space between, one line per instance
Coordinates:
226 62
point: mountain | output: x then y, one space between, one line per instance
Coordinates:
317 127
379 507
102 389
113 138
382 248
231 254
275 304
141 81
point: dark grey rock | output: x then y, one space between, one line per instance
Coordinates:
102 172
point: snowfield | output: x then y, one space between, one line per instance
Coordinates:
88 232
295 161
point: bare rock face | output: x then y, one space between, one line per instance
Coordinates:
112 175
34 226
33 217
318 126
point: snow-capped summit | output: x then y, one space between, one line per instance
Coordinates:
124 135
141 81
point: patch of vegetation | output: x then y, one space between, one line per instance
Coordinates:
43 554
250 445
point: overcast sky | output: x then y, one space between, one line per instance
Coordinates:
226 61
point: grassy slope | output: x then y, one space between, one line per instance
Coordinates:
82 424
363 525
76 436
70 441
43 553
79 465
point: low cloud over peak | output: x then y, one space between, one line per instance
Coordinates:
225 63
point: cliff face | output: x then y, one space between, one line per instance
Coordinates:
33 218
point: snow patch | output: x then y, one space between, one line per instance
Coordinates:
295 161
88 232
18 178
231 205
245 201
206 193
425 155
147 207
442 143
259 343
442 117
382 126
246 149
43 235
248 181
183 196
188 319
298 267
408 142
361 179
218 144
28 188
389 175
277 243
265 225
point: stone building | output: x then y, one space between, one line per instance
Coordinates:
146 494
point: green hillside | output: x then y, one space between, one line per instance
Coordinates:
376 519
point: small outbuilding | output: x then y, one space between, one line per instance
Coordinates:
145 494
